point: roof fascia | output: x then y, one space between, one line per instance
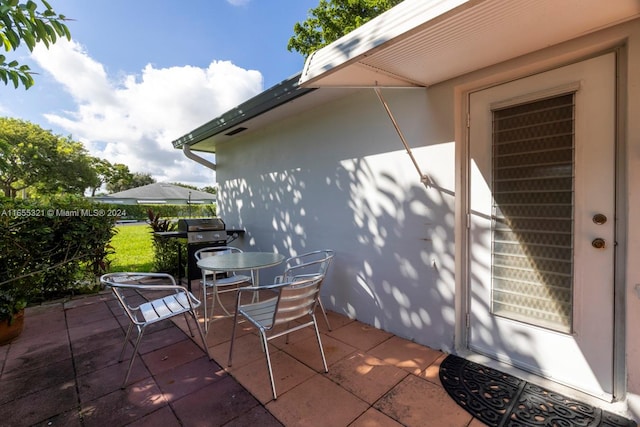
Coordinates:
273 97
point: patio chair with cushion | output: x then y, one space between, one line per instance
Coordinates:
308 265
148 298
292 301
219 279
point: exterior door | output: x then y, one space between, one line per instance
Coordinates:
541 223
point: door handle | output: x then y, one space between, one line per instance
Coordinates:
599 219
598 243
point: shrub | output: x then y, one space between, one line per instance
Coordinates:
52 248
140 212
165 251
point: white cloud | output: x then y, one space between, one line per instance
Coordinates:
134 118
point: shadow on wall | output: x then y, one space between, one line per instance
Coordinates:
394 264
394 238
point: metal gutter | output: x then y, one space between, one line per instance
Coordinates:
204 162
273 97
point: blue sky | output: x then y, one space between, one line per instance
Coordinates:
139 74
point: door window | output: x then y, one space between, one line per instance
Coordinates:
532 212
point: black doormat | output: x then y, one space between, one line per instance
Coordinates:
501 400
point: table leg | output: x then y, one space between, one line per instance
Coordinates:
204 301
256 283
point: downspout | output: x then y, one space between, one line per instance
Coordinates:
204 162
424 178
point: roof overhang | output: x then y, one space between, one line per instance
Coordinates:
277 103
424 42
229 122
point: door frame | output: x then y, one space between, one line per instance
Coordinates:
462 303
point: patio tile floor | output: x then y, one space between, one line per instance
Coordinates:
63 370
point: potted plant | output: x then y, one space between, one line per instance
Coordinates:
11 315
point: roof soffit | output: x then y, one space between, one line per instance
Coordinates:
423 43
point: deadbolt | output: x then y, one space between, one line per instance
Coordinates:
599 219
598 243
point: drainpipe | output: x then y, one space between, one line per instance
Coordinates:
204 162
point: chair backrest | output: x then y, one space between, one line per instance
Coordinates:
213 251
124 286
296 299
308 265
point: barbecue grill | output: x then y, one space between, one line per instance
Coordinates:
200 233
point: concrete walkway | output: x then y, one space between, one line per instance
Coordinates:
63 370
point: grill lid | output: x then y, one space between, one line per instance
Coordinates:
201 224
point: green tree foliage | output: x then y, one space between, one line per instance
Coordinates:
120 178
30 23
102 168
191 187
140 179
36 159
333 19
209 189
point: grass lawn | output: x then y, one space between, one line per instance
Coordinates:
133 248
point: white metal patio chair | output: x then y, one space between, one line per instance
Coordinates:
219 279
308 265
148 298
292 301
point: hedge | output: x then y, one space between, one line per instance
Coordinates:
52 248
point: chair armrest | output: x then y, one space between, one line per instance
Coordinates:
262 287
126 278
305 276
278 285
136 282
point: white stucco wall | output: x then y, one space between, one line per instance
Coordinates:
338 177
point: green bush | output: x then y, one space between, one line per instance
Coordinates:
140 212
165 251
52 248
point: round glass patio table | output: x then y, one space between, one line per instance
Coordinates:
253 261
241 261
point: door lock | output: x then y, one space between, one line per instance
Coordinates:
598 243
599 219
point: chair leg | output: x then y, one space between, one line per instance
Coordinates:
324 313
133 357
265 344
186 319
315 326
233 337
126 341
224 309
202 336
286 341
217 298
204 304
